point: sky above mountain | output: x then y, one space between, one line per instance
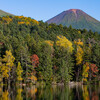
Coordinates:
46 9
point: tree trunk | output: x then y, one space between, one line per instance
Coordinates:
77 78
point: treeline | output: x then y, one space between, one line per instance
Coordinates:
35 51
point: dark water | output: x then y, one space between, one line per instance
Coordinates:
50 93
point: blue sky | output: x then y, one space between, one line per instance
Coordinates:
46 9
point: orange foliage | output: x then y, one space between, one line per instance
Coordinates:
6 20
33 78
33 91
35 60
21 22
94 69
49 42
26 20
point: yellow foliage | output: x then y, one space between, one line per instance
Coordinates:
79 32
79 55
19 17
5 71
19 96
6 19
19 71
65 43
85 93
85 72
35 21
78 42
5 96
9 63
27 23
9 59
21 22
26 20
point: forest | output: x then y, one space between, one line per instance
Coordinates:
34 51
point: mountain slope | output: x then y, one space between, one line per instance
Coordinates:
77 18
3 13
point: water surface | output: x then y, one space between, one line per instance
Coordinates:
50 92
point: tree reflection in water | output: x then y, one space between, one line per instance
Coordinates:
50 93
85 93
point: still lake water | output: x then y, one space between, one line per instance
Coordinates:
50 93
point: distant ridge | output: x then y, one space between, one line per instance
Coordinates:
77 19
3 13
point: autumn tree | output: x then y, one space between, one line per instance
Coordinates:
1 77
35 63
89 71
34 60
19 71
63 42
93 71
79 56
9 63
3 72
85 73
79 53
63 56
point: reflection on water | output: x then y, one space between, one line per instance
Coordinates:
85 93
50 93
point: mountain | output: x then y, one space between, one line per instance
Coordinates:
77 19
3 13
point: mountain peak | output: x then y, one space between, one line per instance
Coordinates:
77 19
74 11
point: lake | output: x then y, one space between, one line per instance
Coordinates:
82 92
